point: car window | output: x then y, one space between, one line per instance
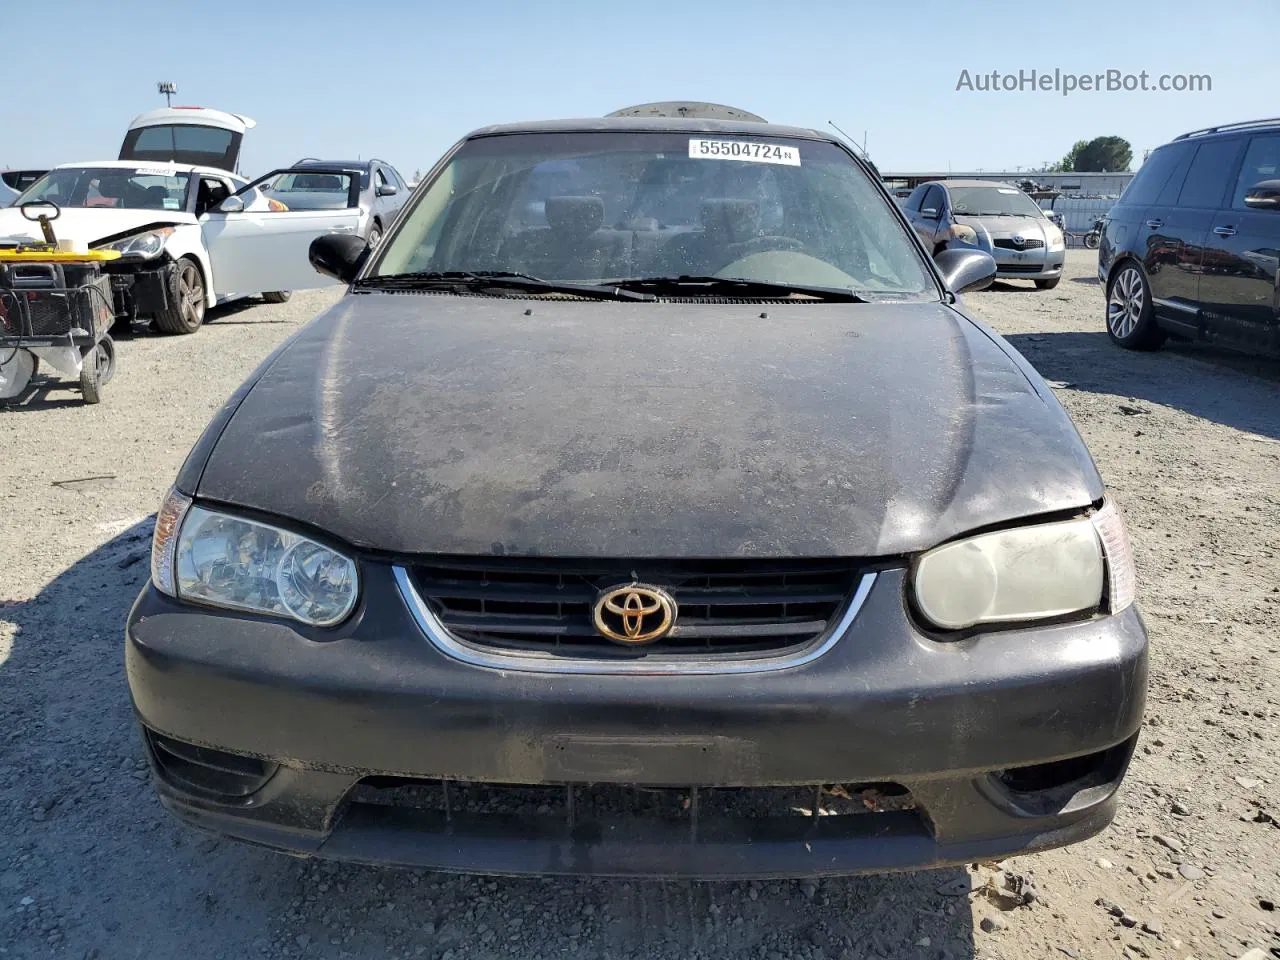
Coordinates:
1151 176
399 179
932 199
307 190
381 176
187 143
1206 182
1261 162
993 201
596 206
140 188
1182 154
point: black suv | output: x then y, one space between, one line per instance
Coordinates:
1193 245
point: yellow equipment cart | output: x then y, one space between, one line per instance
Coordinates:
58 303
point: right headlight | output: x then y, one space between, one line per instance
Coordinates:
1028 573
229 561
146 245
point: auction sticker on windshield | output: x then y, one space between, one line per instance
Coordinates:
752 150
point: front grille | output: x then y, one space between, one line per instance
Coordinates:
1008 244
725 607
1020 267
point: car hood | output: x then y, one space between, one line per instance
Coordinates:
430 423
87 225
1028 226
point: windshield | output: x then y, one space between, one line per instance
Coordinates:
595 207
310 191
183 143
139 188
993 202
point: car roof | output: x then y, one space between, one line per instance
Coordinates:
1225 129
652 125
973 183
340 164
139 164
197 116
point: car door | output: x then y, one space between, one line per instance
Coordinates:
1176 232
1241 275
928 220
388 194
261 250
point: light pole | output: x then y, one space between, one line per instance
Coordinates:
168 88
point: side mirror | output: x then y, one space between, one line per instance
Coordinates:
1264 195
232 205
929 213
338 255
965 270
387 189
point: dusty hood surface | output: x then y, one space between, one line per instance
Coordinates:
442 424
88 225
1029 227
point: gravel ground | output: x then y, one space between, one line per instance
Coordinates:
90 866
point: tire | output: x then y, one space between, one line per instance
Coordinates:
1131 320
99 367
1091 240
185 312
277 296
1048 284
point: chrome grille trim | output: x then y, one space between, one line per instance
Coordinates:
532 662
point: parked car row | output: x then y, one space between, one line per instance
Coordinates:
192 231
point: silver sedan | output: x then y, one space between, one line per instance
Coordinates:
994 216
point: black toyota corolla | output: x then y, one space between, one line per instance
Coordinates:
649 505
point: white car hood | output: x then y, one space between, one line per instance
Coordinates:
86 225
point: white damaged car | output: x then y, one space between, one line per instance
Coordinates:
190 236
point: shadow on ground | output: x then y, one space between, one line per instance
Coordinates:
93 868
1229 388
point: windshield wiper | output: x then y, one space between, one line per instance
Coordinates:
686 286
495 279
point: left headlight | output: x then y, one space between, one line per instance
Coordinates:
1054 236
227 561
146 245
1028 573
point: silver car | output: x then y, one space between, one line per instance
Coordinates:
996 217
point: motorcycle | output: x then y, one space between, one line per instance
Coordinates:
1094 236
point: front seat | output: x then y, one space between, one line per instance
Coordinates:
573 247
725 221
154 197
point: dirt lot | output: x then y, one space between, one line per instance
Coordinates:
1187 438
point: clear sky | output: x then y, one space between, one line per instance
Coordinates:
403 80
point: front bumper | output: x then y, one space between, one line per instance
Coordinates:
323 713
1031 265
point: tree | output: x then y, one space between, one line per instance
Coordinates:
1099 155
1068 163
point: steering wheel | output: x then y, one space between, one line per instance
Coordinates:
764 244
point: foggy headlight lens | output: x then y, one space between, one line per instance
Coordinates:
146 245
1027 573
1055 238
231 562
963 233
